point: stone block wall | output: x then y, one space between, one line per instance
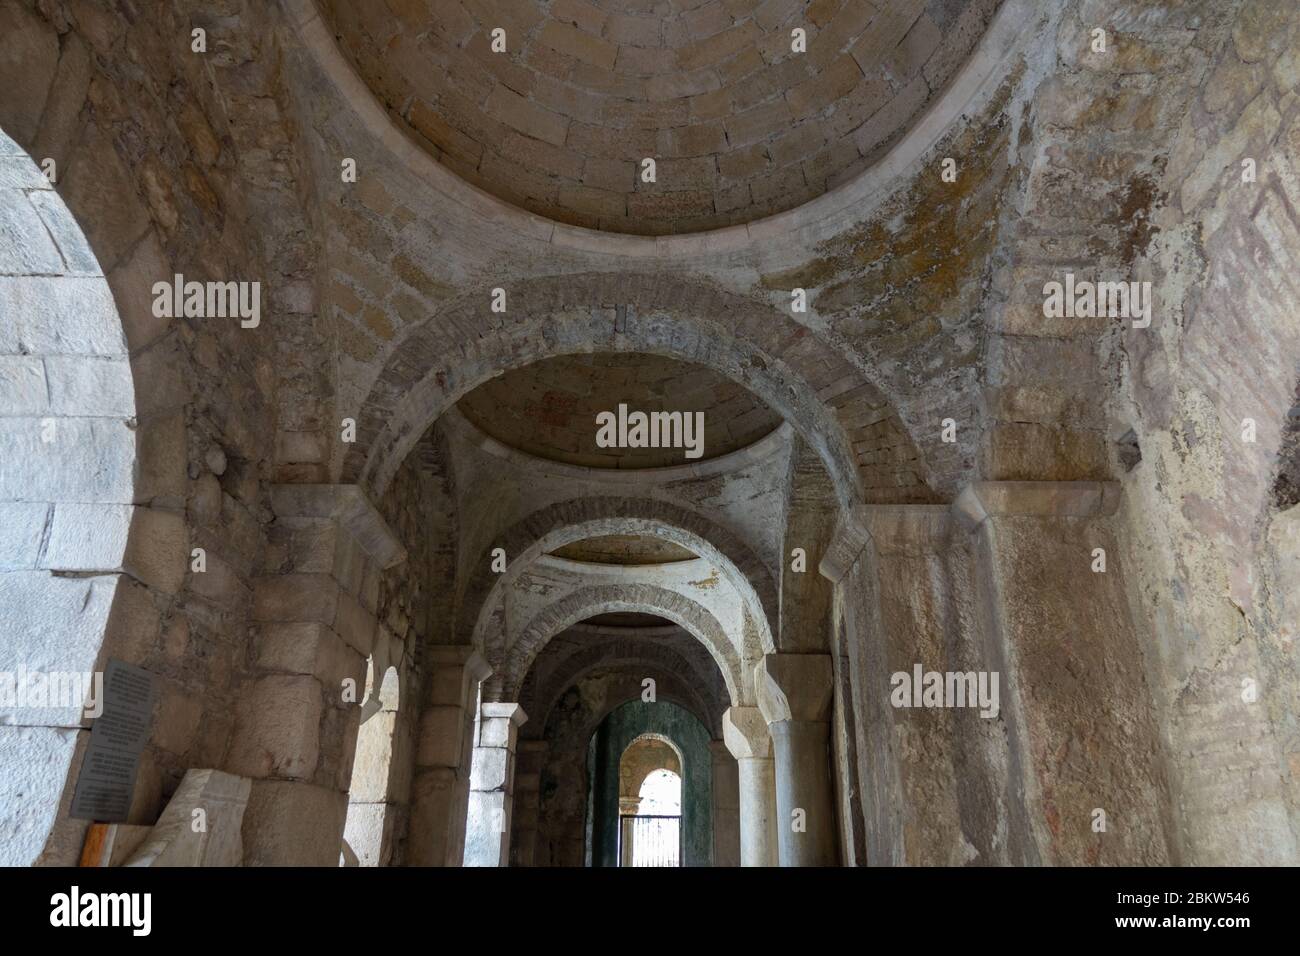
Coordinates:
1207 524
150 172
68 564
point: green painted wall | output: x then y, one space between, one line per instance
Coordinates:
620 728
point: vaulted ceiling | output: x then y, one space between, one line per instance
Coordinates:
548 409
740 122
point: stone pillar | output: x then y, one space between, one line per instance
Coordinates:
794 695
1074 692
900 594
528 798
297 717
440 791
1043 705
381 773
726 806
491 791
746 736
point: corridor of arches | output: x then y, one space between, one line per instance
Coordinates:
914 573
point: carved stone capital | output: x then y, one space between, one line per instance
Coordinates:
794 687
745 733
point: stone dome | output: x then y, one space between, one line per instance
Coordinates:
739 124
548 409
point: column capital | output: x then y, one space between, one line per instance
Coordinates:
509 711
1041 499
850 537
794 687
744 731
349 506
887 528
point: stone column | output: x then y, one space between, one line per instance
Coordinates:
440 790
794 695
528 798
746 736
297 718
726 806
756 779
491 791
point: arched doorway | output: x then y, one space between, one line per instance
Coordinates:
688 739
650 803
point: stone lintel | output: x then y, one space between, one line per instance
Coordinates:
349 506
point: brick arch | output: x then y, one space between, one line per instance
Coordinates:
510 664
675 674
815 384
568 521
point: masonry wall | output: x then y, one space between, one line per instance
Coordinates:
151 155
1167 685
1062 763
1209 523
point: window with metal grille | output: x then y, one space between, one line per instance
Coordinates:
645 840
